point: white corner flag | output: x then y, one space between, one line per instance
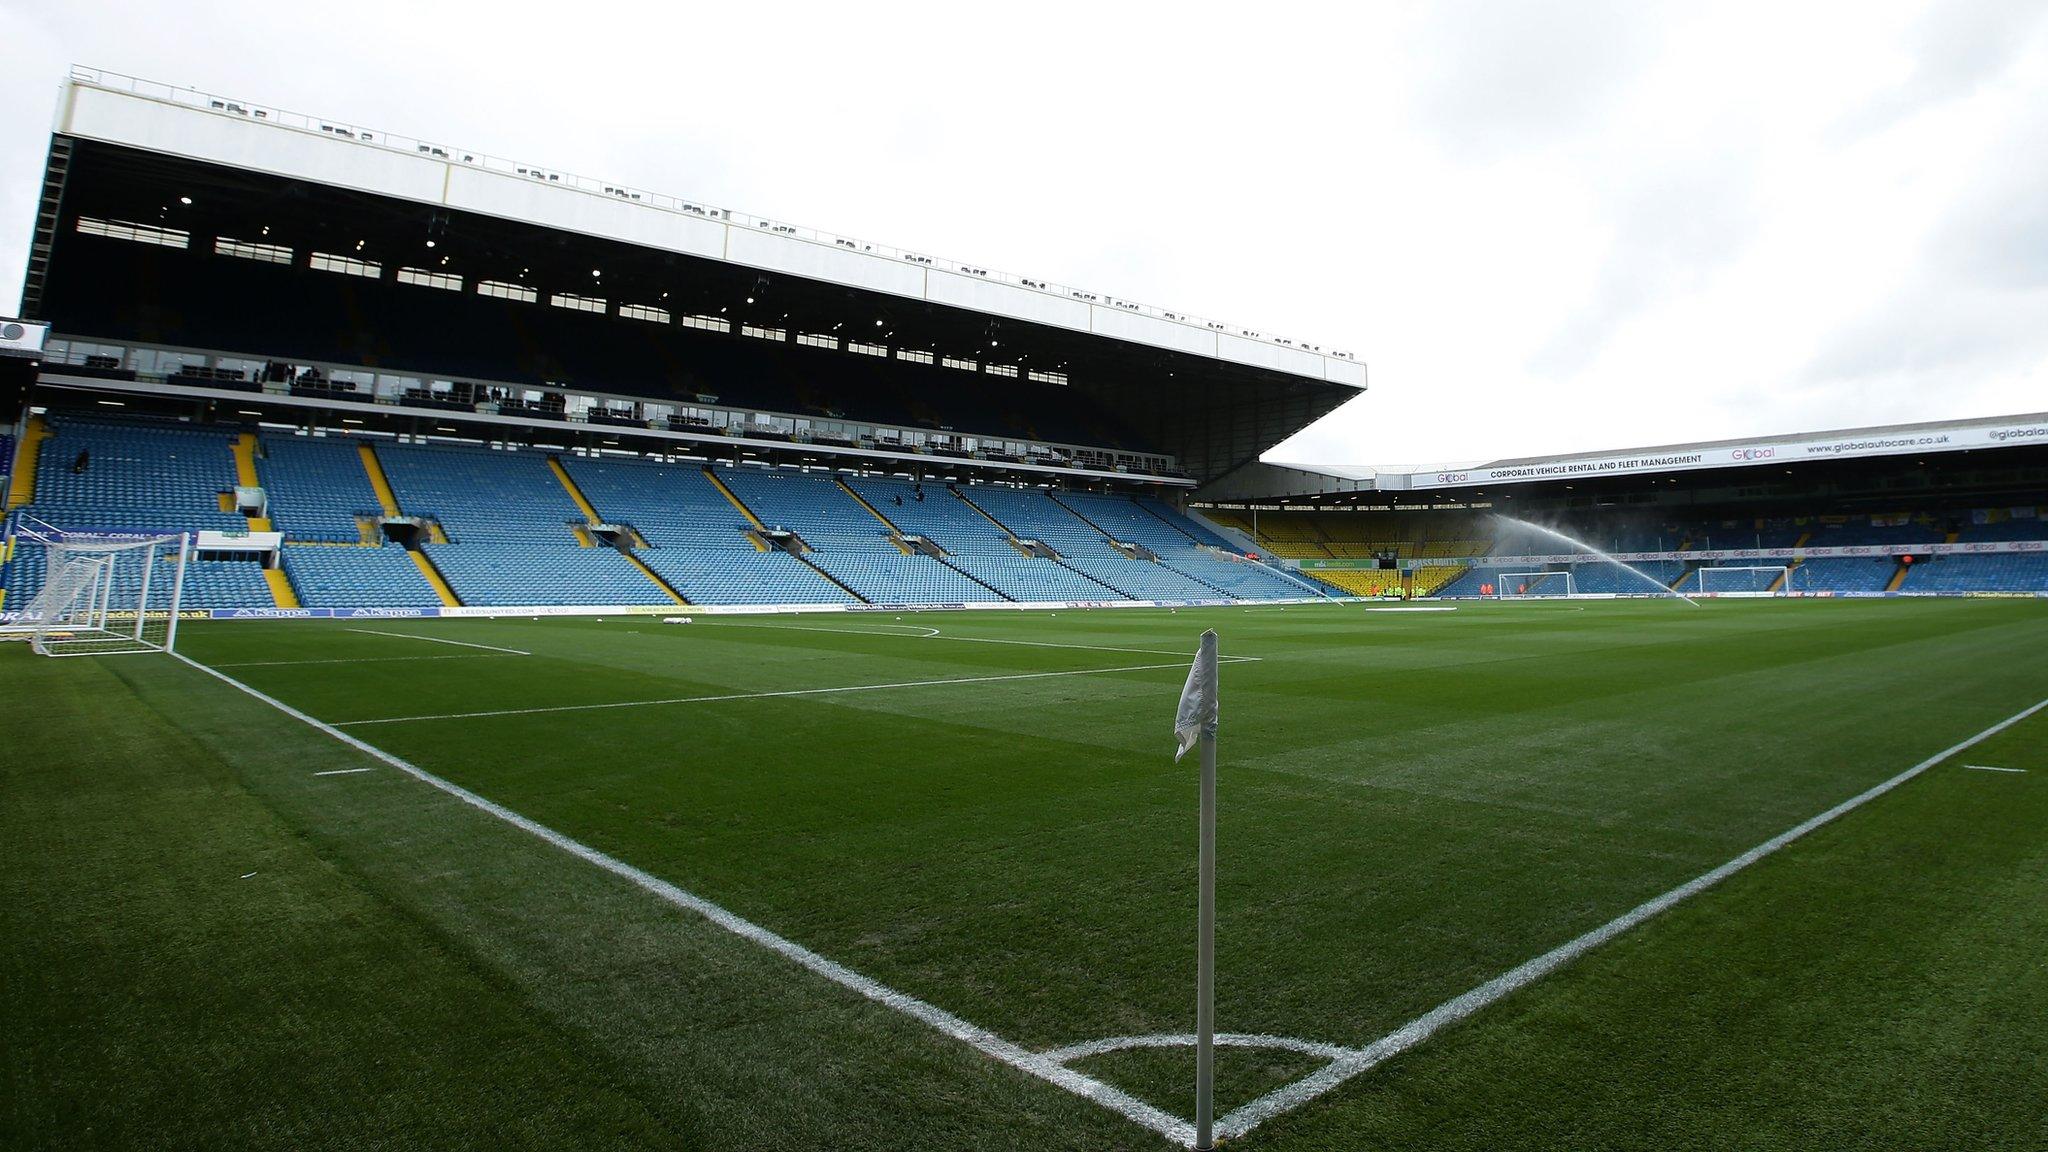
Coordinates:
1197 713
1195 723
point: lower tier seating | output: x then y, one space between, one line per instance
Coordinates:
350 577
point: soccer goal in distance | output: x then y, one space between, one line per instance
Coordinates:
105 595
1759 580
1523 585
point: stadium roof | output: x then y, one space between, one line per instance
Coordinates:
1286 480
1211 394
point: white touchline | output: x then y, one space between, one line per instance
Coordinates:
758 695
441 640
1037 1064
1989 768
344 771
1451 1011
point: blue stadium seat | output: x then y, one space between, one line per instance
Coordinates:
697 541
508 520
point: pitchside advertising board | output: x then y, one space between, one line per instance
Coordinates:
535 611
1736 456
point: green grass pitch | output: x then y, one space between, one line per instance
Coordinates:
217 932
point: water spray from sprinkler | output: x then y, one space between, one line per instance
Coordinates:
1581 545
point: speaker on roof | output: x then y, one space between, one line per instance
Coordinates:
22 338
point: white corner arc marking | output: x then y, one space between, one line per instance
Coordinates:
1088 1048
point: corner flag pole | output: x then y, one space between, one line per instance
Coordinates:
1196 723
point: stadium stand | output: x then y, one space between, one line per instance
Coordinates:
2011 572
1179 543
973 543
1603 578
317 488
1034 514
356 577
848 542
141 476
1844 574
507 521
504 528
696 540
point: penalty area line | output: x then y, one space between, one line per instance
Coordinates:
441 640
1451 1011
981 1039
1989 768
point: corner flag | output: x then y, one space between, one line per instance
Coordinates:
1195 723
1197 714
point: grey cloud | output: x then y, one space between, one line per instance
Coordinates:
1508 75
1957 47
1997 236
1669 232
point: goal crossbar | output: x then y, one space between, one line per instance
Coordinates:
1504 589
106 595
1742 580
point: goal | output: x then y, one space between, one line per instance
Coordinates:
1519 585
1762 580
105 595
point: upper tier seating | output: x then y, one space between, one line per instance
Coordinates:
2033 529
1854 535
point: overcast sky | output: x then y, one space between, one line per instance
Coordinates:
1545 227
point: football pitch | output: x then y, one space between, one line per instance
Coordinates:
885 880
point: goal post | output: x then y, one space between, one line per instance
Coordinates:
1521 585
1740 580
106 595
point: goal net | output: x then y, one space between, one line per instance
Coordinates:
1763 580
103 596
1518 585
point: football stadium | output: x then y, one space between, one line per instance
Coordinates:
501 658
